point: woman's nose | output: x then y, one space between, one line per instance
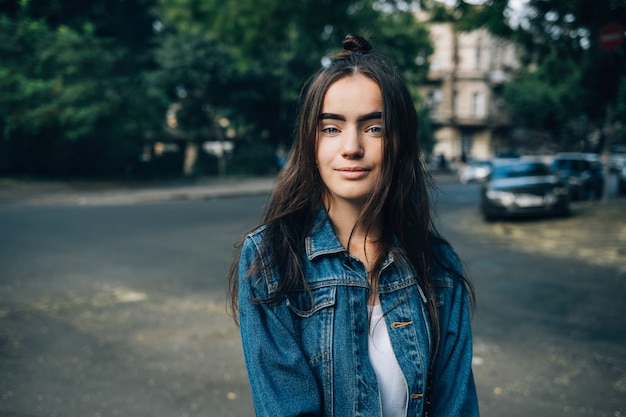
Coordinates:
352 145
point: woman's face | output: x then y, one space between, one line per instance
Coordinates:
349 151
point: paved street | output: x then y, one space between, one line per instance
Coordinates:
112 302
549 327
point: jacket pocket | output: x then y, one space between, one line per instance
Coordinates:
306 303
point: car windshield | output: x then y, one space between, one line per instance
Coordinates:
519 170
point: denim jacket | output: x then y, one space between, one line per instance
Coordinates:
307 354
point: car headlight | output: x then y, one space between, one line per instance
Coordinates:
559 190
504 197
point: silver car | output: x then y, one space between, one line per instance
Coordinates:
521 189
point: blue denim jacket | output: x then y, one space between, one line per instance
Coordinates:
307 354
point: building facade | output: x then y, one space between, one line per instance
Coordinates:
464 92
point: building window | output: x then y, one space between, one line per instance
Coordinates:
478 56
477 106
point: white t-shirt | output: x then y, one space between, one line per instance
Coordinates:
391 382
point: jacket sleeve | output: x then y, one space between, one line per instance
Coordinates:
281 379
454 391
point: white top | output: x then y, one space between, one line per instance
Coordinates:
391 382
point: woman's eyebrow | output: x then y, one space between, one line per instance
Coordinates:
368 116
332 116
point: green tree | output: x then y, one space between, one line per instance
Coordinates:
549 99
564 59
73 100
198 77
276 45
492 15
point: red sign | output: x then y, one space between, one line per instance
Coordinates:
611 36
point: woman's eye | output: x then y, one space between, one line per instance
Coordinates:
330 130
376 130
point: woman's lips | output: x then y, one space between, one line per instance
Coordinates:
353 173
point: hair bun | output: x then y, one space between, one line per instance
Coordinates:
355 44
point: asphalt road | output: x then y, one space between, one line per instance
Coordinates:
550 328
118 310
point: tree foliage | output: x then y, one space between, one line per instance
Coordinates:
547 97
563 58
73 101
467 16
84 84
270 48
276 45
198 75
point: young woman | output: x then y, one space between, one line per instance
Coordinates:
349 302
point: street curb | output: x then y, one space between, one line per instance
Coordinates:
121 195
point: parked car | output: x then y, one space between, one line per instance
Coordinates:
475 170
582 173
523 188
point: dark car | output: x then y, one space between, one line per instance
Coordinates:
582 173
523 188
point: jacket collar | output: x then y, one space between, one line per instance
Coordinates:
322 240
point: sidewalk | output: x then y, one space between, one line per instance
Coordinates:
119 193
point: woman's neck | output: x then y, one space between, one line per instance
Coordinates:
344 218
362 241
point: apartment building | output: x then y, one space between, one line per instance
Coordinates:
464 92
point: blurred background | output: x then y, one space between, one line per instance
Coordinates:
136 89
139 140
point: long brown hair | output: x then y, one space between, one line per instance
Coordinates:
400 200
